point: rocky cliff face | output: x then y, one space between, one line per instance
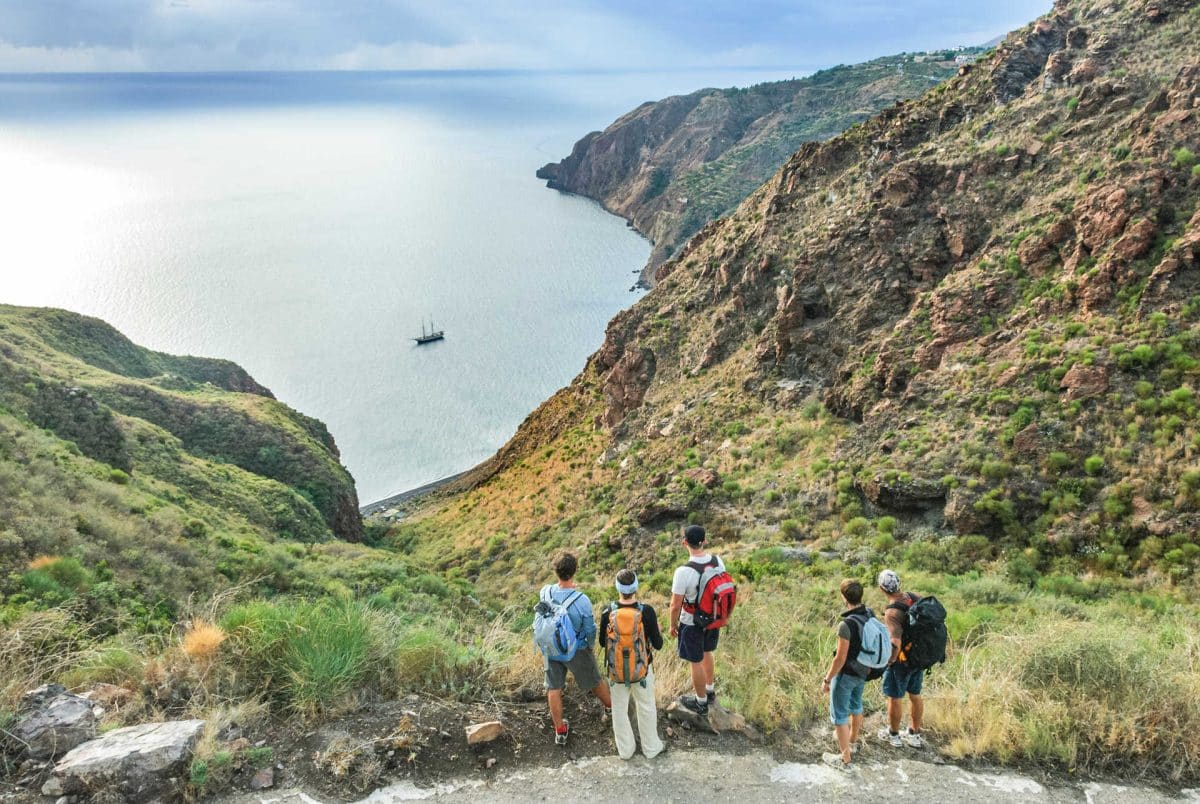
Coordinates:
672 166
994 290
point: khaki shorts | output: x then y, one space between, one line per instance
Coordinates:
582 667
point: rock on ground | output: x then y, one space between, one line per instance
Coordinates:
54 722
884 777
139 760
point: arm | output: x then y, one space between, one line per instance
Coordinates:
602 634
650 625
839 661
587 621
676 608
895 627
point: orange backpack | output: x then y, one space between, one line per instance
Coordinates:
626 654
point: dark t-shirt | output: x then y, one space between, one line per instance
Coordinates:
649 626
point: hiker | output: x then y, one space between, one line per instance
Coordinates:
629 635
697 641
899 679
576 628
863 650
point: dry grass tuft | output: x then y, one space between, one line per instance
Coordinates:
202 640
42 562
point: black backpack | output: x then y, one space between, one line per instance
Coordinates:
923 641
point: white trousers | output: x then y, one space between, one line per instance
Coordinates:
647 715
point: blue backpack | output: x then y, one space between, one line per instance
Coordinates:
553 632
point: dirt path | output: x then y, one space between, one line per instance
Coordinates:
702 775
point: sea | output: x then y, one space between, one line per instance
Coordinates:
307 225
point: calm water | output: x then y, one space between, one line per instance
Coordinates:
303 224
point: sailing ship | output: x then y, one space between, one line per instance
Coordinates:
431 335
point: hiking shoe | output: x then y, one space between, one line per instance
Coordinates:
886 736
835 761
914 739
560 738
694 704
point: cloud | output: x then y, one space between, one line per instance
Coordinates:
447 34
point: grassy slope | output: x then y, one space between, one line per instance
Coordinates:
854 353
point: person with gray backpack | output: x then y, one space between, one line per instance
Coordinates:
864 648
564 630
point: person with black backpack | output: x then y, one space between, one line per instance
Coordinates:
629 635
918 636
702 600
863 649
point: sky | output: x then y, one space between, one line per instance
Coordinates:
203 35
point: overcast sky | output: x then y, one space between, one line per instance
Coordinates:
87 35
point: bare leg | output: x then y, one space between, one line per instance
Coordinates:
554 697
601 692
918 712
843 738
700 678
895 710
855 727
709 671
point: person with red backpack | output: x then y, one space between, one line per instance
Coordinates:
702 600
629 635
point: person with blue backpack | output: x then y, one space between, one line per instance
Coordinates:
564 630
864 648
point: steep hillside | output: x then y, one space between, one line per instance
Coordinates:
962 339
172 472
671 166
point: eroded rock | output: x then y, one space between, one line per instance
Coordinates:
55 721
143 762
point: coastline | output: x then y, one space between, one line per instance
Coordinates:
378 507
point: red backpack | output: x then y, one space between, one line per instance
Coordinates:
717 596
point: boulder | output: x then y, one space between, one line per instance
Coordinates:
263 780
800 554
484 732
143 762
912 494
649 508
1081 381
54 721
1028 441
704 477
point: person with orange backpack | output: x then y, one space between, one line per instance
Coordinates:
629 635
702 599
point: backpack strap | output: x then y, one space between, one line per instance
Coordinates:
700 567
566 604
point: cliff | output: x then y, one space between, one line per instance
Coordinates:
671 166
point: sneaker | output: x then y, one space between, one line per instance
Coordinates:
914 739
886 736
694 704
560 737
835 761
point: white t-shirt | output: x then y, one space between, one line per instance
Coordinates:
687 583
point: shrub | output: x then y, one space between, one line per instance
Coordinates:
1182 158
1093 465
426 658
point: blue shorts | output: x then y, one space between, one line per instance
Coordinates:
695 642
845 698
899 680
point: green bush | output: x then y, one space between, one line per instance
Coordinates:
1093 465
